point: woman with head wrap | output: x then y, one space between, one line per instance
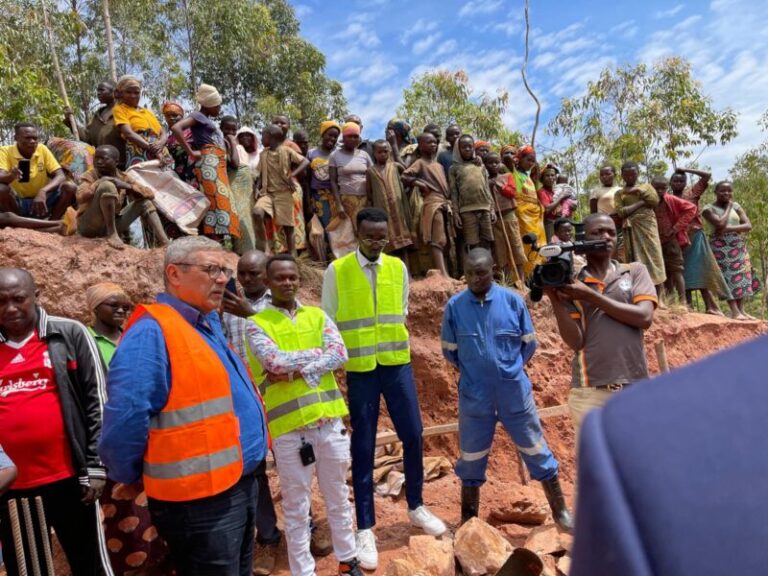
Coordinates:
184 166
321 195
128 551
530 212
208 150
250 142
348 169
240 183
144 137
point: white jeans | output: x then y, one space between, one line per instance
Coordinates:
331 445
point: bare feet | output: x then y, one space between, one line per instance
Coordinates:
740 317
715 311
115 242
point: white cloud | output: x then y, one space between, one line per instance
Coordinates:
474 7
302 10
661 14
373 73
447 47
626 25
359 34
421 46
421 26
376 108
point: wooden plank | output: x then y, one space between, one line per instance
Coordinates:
384 438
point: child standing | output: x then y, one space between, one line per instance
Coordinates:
506 226
278 167
428 176
385 191
471 195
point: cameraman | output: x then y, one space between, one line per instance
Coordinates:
602 315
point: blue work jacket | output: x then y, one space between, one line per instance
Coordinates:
489 341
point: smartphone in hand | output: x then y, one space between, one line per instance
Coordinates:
232 286
24 168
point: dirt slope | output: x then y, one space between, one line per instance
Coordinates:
65 267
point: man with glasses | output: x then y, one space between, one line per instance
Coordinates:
184 417
366 294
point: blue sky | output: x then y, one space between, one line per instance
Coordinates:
374 47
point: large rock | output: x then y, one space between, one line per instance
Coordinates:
545 540
522 511
427 556
480 548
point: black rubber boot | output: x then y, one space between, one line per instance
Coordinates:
556 501
470 502
350 568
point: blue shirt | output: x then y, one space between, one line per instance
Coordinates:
5 462
139 382
488 340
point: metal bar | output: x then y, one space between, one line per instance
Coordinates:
18 538
31 540
43 523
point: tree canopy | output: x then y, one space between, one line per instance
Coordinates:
443 98
250 50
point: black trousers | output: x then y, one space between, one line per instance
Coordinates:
77 527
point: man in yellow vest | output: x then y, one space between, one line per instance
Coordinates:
366 294
294 350
184 416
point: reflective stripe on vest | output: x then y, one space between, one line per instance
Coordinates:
292 405
194 413
374 334
195 465
193 450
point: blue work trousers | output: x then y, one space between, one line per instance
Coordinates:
365 389
211 536
477 425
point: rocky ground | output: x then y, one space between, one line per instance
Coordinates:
65 267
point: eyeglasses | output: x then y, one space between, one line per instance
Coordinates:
213 270
371 242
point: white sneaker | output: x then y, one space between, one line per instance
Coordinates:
367 554
424 519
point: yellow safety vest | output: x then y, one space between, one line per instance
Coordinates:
373 333
292 405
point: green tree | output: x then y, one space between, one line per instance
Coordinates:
655 116
750 187
444 98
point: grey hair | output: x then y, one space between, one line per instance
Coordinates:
180 249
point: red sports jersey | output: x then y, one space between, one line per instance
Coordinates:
31 422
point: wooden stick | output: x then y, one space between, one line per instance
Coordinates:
57 70
516 280
661 355
18 538
31 540
42 522
521 469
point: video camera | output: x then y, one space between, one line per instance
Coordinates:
557 271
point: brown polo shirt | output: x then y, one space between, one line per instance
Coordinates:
613 352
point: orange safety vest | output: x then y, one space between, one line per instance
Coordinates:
194 442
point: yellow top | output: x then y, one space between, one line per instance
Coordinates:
139 119
42 165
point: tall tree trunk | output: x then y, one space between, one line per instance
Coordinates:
525 79
190 48
57 70
84 99
110 44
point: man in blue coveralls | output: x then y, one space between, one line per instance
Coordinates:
488 335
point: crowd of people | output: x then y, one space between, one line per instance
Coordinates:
163 414
275 192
